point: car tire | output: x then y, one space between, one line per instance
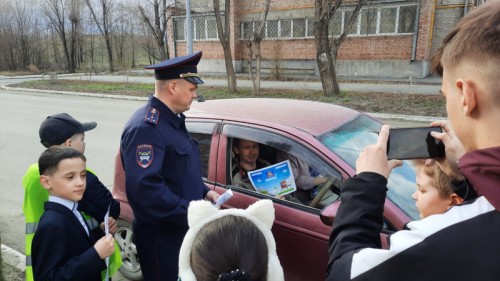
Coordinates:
125 239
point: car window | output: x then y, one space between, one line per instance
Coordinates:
349 140
202 133
204 142
274 148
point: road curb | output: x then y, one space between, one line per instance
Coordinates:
13 258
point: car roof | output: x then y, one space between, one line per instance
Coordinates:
312 117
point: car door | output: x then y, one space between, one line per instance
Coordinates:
301 237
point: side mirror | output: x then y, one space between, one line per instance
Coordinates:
328 214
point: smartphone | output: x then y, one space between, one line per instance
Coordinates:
414 143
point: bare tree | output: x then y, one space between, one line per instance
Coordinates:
104 24
224 36
74 18
54 11
253 40
158 25
326 46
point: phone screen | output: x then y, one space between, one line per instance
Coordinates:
414 143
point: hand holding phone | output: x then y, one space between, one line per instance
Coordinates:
414 143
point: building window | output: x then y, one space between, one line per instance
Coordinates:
212 29
203 28
200 28
372 21
406 20
179 29
272 27
388 20
311 28
369 21
299 28
335 25
246 29
285 28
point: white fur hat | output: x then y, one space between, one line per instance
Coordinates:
261 213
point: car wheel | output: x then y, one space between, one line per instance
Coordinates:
124 236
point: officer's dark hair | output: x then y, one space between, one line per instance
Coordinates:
228 244
52 156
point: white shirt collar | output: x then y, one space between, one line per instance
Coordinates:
67 203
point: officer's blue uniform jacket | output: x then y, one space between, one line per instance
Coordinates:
163 174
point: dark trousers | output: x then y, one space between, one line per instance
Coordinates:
158 251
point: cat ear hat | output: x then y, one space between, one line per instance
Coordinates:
261 213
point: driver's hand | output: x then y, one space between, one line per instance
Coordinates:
374 157
320 180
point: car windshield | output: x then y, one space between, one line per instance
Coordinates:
349 140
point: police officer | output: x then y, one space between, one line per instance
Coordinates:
163 167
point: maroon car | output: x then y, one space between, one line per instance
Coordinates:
327 137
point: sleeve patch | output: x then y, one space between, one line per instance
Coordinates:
144 155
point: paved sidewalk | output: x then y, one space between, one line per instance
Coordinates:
403 86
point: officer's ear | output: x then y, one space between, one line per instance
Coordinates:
172 85
45 181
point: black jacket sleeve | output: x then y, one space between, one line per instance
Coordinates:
358 222
96 200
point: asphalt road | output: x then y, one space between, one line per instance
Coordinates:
20 116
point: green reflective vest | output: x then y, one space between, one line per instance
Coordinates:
35 197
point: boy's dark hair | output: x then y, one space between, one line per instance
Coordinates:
230 243
52 156
476 38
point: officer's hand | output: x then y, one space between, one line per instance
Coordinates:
212 196
112 226
105 246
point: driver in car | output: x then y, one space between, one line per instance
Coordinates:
246 159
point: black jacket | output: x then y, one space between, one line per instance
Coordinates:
61 248
461 244
96 200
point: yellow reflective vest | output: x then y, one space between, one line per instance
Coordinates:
35 197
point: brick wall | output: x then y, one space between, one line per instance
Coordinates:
359 48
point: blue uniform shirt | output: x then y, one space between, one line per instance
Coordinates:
162 165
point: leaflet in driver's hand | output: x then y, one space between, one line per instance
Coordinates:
274 180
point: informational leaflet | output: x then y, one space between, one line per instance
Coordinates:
274 180
106 232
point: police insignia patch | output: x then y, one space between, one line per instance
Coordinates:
144 155
152 116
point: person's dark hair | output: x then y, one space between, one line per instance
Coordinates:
230 246
52 156
476 38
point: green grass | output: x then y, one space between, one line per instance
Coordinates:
428 105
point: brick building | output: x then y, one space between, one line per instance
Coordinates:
390 39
